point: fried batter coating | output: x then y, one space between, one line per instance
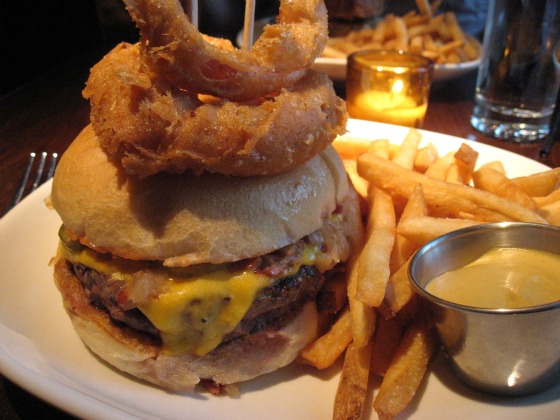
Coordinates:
173 46
149 125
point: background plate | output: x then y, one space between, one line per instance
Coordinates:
336 67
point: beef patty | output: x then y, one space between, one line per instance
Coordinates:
274 306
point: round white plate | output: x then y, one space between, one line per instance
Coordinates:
336 67
40 351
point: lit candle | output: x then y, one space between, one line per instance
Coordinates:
389 107
390 87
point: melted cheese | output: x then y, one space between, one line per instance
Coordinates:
194 315
194 308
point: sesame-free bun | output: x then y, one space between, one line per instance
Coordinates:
188 219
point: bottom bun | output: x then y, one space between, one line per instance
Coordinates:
140 355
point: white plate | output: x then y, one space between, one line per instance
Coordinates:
40 351
336 67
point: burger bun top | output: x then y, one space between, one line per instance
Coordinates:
188 219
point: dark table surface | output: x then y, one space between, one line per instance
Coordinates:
47 114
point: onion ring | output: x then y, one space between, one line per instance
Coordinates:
277 59
149 125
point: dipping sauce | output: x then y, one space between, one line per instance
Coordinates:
502 278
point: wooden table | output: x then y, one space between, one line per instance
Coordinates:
48 114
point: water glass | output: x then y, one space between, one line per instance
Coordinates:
519 74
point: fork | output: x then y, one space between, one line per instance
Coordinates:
38 179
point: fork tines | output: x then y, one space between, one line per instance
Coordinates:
39 177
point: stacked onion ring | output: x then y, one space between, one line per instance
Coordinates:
182 101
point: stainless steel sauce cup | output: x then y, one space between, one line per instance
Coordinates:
502 351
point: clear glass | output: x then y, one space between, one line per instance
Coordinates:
519 73
388 86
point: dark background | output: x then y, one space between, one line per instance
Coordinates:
37 36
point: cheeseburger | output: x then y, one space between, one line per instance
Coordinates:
182 279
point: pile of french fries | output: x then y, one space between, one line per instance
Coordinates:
412 195
439 38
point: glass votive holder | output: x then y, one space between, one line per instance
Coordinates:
388 86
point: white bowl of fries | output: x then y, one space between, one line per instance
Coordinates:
439 38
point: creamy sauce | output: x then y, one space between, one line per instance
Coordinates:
502 278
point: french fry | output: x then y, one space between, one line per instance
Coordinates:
424 7
454 28
449 199
401 34
425 158
496 165
549 199
404 247
549 207
453 175
416 45
359 183
471 50
439 38
430 45
423 229
415 38
539 184
372 264
434 24
385 343
380 148
351 147
402 250
444 33
334 51
416 205
324 351
363 316
380 32
551 212
353 383
393 148
495 182
406 371
408 149
466 158
440 168
450 46
399 290
435 5
413 19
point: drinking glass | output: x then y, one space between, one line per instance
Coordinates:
519 73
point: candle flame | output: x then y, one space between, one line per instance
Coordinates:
397 86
